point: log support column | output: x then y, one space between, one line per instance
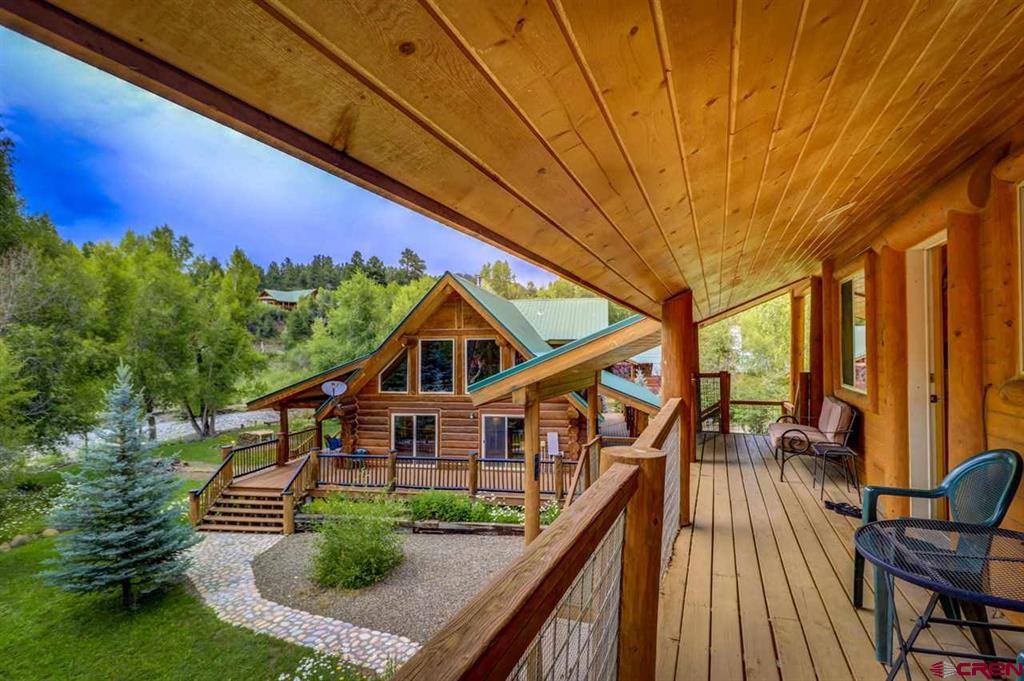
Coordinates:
593 407
965 390
678 366
282 436
817 341
796 345
531 465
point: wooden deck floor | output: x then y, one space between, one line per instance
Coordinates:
759 587
271 478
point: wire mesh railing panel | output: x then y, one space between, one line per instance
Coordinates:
670 516
709 402
579 641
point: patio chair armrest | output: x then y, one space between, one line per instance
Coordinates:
799 436
872 494
786 418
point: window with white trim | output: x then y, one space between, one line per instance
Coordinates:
414 434
395 377
503 436
853 332
437 365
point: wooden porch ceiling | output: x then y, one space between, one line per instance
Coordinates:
639 147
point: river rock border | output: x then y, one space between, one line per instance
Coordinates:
222 573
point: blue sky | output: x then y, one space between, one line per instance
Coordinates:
102 156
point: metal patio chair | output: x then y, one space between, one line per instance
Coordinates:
790 439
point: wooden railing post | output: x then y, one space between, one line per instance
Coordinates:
392 474
559 468
282 437
289 513
193 507
725 381
225 453
474 473
641 565
314 467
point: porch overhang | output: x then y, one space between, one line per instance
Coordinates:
572 366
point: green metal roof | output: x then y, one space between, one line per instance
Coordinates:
287 296
627 387
564 319
508 315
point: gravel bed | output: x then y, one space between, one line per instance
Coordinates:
439 575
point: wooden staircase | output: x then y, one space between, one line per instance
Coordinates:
245 509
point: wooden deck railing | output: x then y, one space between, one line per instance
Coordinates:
255 457
301 442
200 500
718 412
586 470
592 576
298 486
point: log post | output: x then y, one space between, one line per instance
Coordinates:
473 474
288 526
796 345
392 473
229 467
641 564
966 378
531 464
314 465
282 436
725 389
593 407
318 437
817 340
678 362
559 468
225 450
193 507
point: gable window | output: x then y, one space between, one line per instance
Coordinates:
853 338
437 365
395 378
414 434
483 359
503 437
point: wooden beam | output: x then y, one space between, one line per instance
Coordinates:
678 360
282 435
593 407
891 296
796 343
531 457
817 341
965 389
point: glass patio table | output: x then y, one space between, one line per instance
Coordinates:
966 567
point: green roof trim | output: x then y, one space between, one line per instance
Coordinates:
287 296
564 319
508 315
630 389
557 352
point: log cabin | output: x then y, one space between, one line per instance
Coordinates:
686 160
410 394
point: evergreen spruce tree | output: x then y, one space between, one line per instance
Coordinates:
124 530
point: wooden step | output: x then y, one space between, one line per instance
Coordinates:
253 493
245 510
245 519
218 527
250 503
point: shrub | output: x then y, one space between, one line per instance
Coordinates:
359 549
378 504
445 506
549 512
320 666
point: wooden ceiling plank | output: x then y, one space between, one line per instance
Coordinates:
617 47
763 74
377 46
827 28
522 51
928 30
862 85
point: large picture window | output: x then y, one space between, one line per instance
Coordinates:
483 359
437 366
503 437
414 434
395 378
853 337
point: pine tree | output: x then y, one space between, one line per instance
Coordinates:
125 531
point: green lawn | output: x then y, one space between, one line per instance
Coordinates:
47 634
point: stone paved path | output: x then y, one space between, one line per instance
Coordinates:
222 573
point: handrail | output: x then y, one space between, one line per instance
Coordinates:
287 489
201 499
581 465
658 429
254 445
490 634
213 476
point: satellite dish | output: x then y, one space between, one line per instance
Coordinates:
334 388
